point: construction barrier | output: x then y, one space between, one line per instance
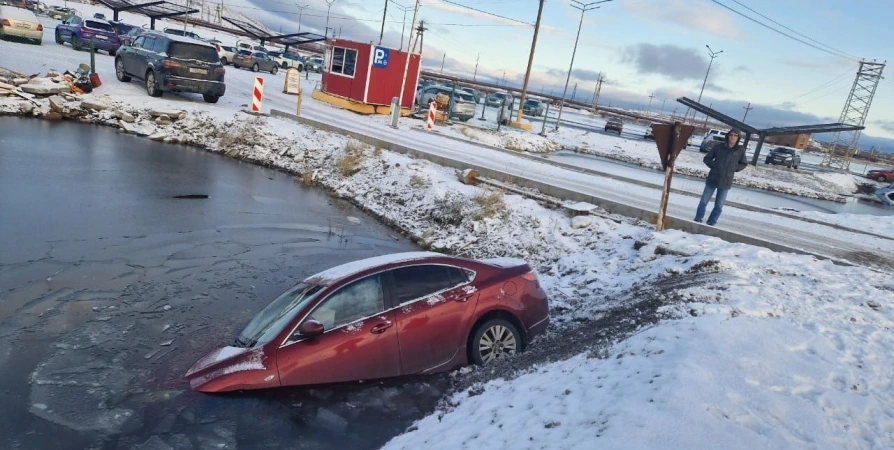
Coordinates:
258 95
430 122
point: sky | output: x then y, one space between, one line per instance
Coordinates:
642 48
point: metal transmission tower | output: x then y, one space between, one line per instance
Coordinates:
854 113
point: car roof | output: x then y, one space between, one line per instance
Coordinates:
331 276
94 19
178 38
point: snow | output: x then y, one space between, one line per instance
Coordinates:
504 262
329 276
880 225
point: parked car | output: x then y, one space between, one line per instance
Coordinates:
181 32
255 61
393 315
288 60
475 94
533 107
20 23
99 16
649 133
60 13
314 64
461 106
128 38
249 45
881 175
167 62
226 53
886 195
80 32
121 28
711 137
784 156
614 124
497 98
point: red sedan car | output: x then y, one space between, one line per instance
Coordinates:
881 175
393 315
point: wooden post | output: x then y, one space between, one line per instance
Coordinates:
300 96
668 176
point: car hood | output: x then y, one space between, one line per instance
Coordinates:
233 368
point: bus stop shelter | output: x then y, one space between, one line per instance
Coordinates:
287 40
763 134
153 9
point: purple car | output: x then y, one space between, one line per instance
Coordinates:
80 31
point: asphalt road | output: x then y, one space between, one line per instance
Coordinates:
110 288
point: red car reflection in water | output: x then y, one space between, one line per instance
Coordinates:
393 315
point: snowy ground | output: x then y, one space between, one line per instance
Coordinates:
761 349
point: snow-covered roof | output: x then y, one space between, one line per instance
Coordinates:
336 273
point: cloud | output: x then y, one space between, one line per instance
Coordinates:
697 16
717 88
576 74
887 125
674 62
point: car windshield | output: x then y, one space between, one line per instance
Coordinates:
245 52
265 325
465 97
124 29
499 95
532 103
183 50
787 151
98 25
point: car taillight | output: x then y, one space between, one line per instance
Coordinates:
39 27
5 23
168 64
86 31
532 277
220 70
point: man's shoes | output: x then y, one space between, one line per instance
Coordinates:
698 221
711 224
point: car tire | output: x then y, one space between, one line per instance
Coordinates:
284 66
59 38
210 98
120 73
113 52
75 43
255 68
223 60
881 179
493 340
274 70
152 86
789 165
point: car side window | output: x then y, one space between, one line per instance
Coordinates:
415 282
138 42
362 298
160 45
149 44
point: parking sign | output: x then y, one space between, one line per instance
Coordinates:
380 57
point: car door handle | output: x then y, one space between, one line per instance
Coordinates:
462 297
380 328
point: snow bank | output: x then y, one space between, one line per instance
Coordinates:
881 225
507 138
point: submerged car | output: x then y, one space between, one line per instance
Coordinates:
388 316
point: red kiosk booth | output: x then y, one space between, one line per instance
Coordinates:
365 77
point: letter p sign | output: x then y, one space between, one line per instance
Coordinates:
380 57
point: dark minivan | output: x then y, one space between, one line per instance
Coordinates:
172 63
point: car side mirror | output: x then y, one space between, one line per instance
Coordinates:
310 328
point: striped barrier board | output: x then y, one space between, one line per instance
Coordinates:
257 95
430 122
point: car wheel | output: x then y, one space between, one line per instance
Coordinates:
151 87
285 66
255 68
274 70
112 52
881 179
223 60
75 43
789 165
211 98
493 340
119 71
59 37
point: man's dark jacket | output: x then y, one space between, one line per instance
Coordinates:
724 163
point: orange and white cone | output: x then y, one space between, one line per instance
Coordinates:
430 122
257 95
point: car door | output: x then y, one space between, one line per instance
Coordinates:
359 341
144 54
434 306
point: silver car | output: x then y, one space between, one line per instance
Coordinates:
256 61
462 104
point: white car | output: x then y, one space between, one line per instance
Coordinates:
225 53
287 60
20 23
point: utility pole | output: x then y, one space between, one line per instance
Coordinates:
403 27
403 82
649 109
747 109
474 75
503 80
583 7
574 92
524 92
713 55
300 14
384 13
597 91
420 36
328 8
443 58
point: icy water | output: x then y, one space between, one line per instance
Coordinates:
111 287
739 194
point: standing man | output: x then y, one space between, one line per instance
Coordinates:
725 159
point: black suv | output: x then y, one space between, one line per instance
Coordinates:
784 156
172 63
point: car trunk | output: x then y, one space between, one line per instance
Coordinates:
21 24
194 61
99 31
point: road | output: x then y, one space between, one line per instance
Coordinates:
110 289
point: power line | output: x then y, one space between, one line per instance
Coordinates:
793 31
833 53
824 85
488 13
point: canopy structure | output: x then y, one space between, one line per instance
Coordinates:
153 9
262 35
762 134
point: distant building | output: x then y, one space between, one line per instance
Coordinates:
798 141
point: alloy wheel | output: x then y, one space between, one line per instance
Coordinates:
497 342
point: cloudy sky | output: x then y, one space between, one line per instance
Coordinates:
643 47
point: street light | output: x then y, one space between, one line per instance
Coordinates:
404 26
300 13
328 8
713 55
583 7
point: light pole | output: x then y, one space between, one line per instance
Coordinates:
583 7
328 8
524 92
404 26
713 55
300 13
